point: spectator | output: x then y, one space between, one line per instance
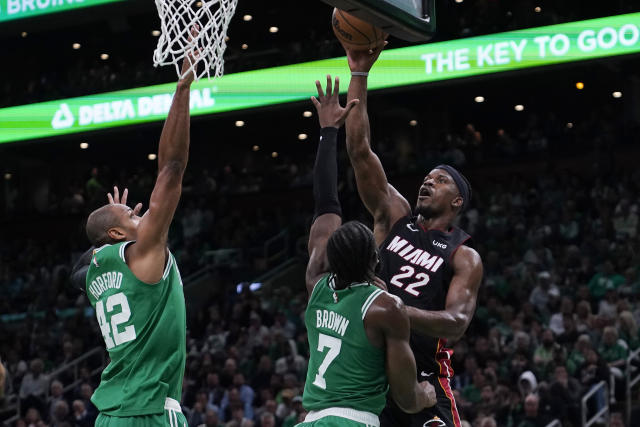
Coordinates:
267 419
584 319
544 353
605 280
60 414
543 292
611 351
566 393
200 408
34 386
532 417
628 329
527 383
55 396
211 419
556 322
81 417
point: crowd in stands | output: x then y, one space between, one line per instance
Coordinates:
558 309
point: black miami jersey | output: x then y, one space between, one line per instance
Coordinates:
416 265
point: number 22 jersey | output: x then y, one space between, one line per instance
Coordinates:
144 329
416 265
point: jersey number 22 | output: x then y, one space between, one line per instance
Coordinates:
109 328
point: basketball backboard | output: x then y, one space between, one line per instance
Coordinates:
411 20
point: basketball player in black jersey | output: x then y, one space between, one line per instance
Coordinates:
424 258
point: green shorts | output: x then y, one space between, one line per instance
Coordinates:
340 417
172 417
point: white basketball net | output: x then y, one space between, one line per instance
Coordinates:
178 18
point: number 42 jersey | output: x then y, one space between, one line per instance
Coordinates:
144 329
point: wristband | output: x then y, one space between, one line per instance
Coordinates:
359 73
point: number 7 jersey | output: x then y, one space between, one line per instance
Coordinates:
144 329
345 370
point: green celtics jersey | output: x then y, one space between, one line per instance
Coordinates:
144 329
345 370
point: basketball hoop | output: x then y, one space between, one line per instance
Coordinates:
178 18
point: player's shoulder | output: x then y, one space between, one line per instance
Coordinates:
386 307
468 253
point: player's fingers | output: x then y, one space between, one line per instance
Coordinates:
329 90
319 87
336 87
316 103
110 198
137 209
116 194
125 193
350 106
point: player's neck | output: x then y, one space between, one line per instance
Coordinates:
441 223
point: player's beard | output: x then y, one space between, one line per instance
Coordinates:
425 211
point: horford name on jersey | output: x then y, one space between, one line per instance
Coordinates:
108 280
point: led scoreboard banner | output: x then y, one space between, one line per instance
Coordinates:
533 47
18 9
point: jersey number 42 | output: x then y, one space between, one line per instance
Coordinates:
110 327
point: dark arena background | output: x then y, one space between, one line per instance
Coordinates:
551 149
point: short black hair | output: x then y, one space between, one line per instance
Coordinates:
99 223
352 253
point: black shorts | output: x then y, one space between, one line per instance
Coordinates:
444 413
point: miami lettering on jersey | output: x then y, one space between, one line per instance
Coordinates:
415 256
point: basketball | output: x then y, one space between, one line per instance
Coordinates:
354 33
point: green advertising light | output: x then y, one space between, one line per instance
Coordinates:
18 9
575 41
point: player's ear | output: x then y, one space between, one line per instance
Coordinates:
457 202
116 233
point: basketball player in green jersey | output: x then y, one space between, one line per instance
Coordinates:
358 333
134 285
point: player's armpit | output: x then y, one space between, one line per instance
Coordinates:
388 314
321 230
452 322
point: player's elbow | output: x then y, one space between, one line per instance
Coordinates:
461 322
358 149
407 402
173 170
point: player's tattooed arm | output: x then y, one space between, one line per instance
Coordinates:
452 322
383 201
388 317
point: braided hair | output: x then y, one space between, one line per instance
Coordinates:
352 253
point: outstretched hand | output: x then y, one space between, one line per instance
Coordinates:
115 199
191 58
330 112
363 60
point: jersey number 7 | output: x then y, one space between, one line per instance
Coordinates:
334 345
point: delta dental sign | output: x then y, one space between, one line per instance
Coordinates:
18 9
575 41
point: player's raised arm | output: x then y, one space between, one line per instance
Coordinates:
146 258
381 199
327 213
389 315
452 322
